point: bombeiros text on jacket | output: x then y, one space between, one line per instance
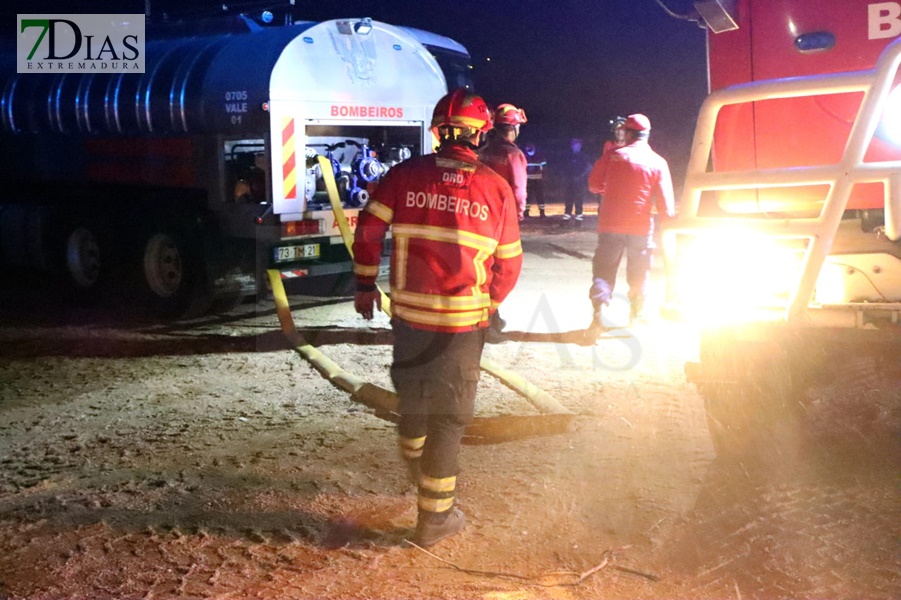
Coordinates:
443 202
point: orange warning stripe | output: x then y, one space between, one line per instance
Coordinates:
289 167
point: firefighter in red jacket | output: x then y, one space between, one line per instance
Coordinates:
507 160
634 180
456 255
504 156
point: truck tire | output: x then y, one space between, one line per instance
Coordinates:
83 258
753 405
753 425
174 278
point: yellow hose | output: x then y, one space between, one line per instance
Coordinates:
380 399
554 420
541 400
482 430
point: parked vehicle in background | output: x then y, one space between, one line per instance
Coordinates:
190 180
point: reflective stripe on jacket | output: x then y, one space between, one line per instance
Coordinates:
457 252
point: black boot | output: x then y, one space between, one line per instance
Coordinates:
432 527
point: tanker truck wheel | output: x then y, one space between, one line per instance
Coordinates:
83 260
174 278
86 256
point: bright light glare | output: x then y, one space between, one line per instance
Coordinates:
891 118
831 285
731 277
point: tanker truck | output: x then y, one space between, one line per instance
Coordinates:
786 248
177 188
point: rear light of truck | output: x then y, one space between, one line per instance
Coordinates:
300 228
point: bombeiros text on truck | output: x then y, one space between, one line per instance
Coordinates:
786 246
180 186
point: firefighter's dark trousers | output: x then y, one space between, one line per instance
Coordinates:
574 197
638 249
435 375
535 193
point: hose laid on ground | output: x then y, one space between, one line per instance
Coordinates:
383 401
482 430
541 400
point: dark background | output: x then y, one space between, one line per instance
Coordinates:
572 64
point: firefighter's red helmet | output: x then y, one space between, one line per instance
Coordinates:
637 122
462 109
507 114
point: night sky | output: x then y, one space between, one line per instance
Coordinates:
572 64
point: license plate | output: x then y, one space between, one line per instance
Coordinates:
289 253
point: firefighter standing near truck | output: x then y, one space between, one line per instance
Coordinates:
456 255
634 180
505 158
503 155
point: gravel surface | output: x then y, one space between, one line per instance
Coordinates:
206 459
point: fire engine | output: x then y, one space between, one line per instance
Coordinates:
787 239
190 180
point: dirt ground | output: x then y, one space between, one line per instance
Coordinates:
206 459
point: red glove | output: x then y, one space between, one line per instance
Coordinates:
364 301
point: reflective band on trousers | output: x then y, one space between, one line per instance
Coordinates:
412 447
432 484
435 504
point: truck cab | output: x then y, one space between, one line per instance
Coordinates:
786 248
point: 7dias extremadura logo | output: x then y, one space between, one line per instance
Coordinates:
80 43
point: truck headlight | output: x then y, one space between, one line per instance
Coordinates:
729 277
